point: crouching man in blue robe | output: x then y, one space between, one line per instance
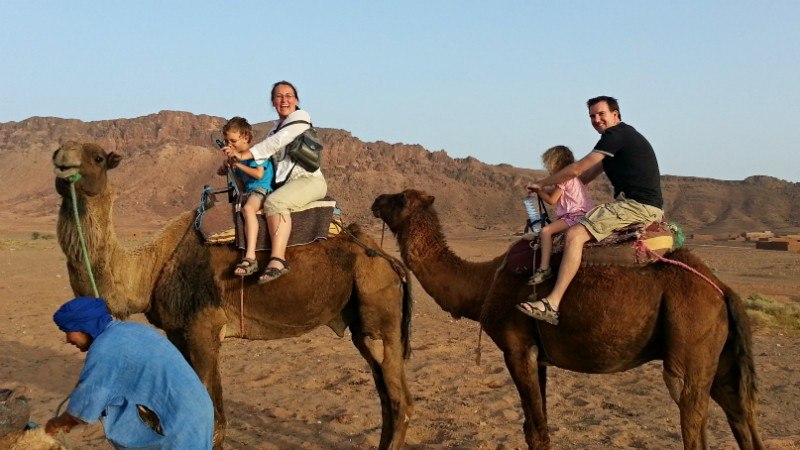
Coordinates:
135 381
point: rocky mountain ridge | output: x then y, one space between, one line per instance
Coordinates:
170 156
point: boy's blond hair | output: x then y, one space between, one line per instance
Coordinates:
239 125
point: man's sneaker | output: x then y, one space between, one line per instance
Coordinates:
540 276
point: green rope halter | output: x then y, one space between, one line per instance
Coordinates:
72 180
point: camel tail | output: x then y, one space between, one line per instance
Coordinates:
734 386
740 340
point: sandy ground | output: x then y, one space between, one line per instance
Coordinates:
315 392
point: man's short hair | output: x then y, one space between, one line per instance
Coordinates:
613 104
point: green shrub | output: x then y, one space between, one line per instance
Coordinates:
772 315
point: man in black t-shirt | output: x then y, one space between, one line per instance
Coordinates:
630 164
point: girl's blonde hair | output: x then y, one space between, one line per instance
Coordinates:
556 158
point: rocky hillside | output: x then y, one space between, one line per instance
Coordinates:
170 156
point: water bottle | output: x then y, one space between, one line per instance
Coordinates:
534 219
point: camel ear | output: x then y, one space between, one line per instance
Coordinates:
427 200
112 160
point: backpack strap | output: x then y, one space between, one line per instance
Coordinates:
292 123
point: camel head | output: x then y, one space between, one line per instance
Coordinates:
88 160
395 209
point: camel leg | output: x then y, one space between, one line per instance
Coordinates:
739 411
521 360
691 394
203 341
385 358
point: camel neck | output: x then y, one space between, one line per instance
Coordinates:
107 257
458 286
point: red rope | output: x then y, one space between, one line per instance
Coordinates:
642 247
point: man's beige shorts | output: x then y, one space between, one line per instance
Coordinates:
604 219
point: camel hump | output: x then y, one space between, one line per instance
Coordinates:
635 245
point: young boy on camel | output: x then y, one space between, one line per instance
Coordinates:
257 175
572 202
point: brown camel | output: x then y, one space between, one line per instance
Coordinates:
188 288
613 319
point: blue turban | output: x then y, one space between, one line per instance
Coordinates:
87 314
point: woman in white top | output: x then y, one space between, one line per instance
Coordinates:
296 186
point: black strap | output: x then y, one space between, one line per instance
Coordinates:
545 217
292 123
275 184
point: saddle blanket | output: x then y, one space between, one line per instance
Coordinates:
221 224
624 247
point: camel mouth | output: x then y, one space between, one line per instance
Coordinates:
377 211
65 171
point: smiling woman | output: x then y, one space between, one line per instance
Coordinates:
295 186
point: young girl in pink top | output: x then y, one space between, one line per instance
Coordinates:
572 201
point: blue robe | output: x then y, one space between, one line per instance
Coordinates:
132 364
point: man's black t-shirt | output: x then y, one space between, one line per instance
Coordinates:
631 164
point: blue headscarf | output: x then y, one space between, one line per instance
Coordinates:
87 314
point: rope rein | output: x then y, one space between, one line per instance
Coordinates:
72 180
371 252
201 210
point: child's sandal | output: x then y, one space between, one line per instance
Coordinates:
247 267
548 314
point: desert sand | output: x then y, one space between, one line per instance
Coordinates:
315 391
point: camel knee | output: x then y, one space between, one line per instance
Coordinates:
375 348
674 386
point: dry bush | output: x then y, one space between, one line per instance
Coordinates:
771 315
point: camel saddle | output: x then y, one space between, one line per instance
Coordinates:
634 245
220 224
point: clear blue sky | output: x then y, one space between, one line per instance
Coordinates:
714 85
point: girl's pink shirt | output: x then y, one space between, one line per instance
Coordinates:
575 199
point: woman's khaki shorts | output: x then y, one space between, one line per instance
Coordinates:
604 219
294 195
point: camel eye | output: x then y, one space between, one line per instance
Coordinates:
98 159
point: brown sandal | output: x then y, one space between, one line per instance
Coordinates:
548 314
272 273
